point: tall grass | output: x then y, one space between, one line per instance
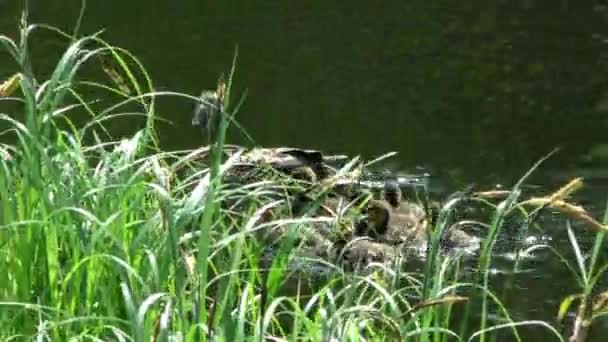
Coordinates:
107 239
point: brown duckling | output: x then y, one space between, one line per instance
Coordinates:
390 220
301 204
406 223
392 194
306 236
330 205
303 173
363 251
209 109
455 238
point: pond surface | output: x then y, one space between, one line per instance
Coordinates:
471 92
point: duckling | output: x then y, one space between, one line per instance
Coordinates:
392 193
304 173
330 205
302 203
407 223
299 204
455 238
306 236
376 221
391 221
208 112
363 251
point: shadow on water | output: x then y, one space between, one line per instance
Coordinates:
468 92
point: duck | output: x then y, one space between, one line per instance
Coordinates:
253 165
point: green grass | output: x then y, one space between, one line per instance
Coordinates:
107 239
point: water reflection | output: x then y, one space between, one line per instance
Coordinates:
466 87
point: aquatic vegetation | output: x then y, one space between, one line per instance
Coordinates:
116 239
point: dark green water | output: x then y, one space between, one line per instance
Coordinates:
469 92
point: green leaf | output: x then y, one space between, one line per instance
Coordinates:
565 305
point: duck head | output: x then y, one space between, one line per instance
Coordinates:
392 194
